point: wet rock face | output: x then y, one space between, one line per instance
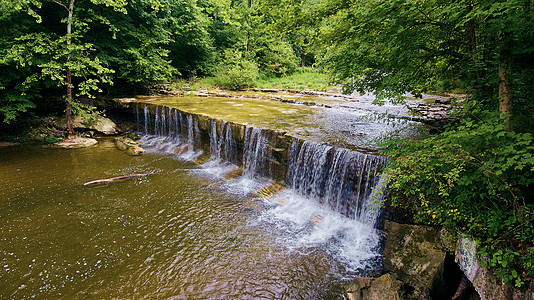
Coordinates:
100 124
413 265
415 255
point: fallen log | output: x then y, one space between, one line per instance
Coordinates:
117 178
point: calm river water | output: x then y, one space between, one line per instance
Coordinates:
175 234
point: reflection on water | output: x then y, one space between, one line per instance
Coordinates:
168 235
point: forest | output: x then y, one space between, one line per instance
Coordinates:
474 176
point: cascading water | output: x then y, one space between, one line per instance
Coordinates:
172 132
223 145
222 150
256 153
332 197
146 119
332 202
340 179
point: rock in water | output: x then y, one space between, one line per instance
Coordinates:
75 143
130 146
135 150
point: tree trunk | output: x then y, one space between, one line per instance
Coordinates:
470 35
471 49
505 82
70 128
303 58
471 39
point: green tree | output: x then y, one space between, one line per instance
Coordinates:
392 47
53 56
82 46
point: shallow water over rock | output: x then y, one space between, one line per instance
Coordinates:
354 125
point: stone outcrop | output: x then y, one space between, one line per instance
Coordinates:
487 285
386 286
100 124
413 263
130 146
414 253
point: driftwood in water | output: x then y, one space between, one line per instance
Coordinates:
116 178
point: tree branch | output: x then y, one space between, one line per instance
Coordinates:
63 5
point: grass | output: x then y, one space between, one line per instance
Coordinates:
302 79
193 84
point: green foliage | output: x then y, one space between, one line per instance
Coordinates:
391 47
276 59
236 72
13 105
475 177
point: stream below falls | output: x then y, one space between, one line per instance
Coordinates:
181 233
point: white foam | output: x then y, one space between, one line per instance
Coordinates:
245 185
169 145
307 224
217 169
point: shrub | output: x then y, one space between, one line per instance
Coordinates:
277 60
475 178
236 72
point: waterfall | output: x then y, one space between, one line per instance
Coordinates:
256 153
340 179
228 143
371 209
146 118
215 150
190 132
222 145
320 195
137 116
176 124
172 132
156 122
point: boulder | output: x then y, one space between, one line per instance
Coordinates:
415 254
99 123
135 150
384 287
74 143
130 146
